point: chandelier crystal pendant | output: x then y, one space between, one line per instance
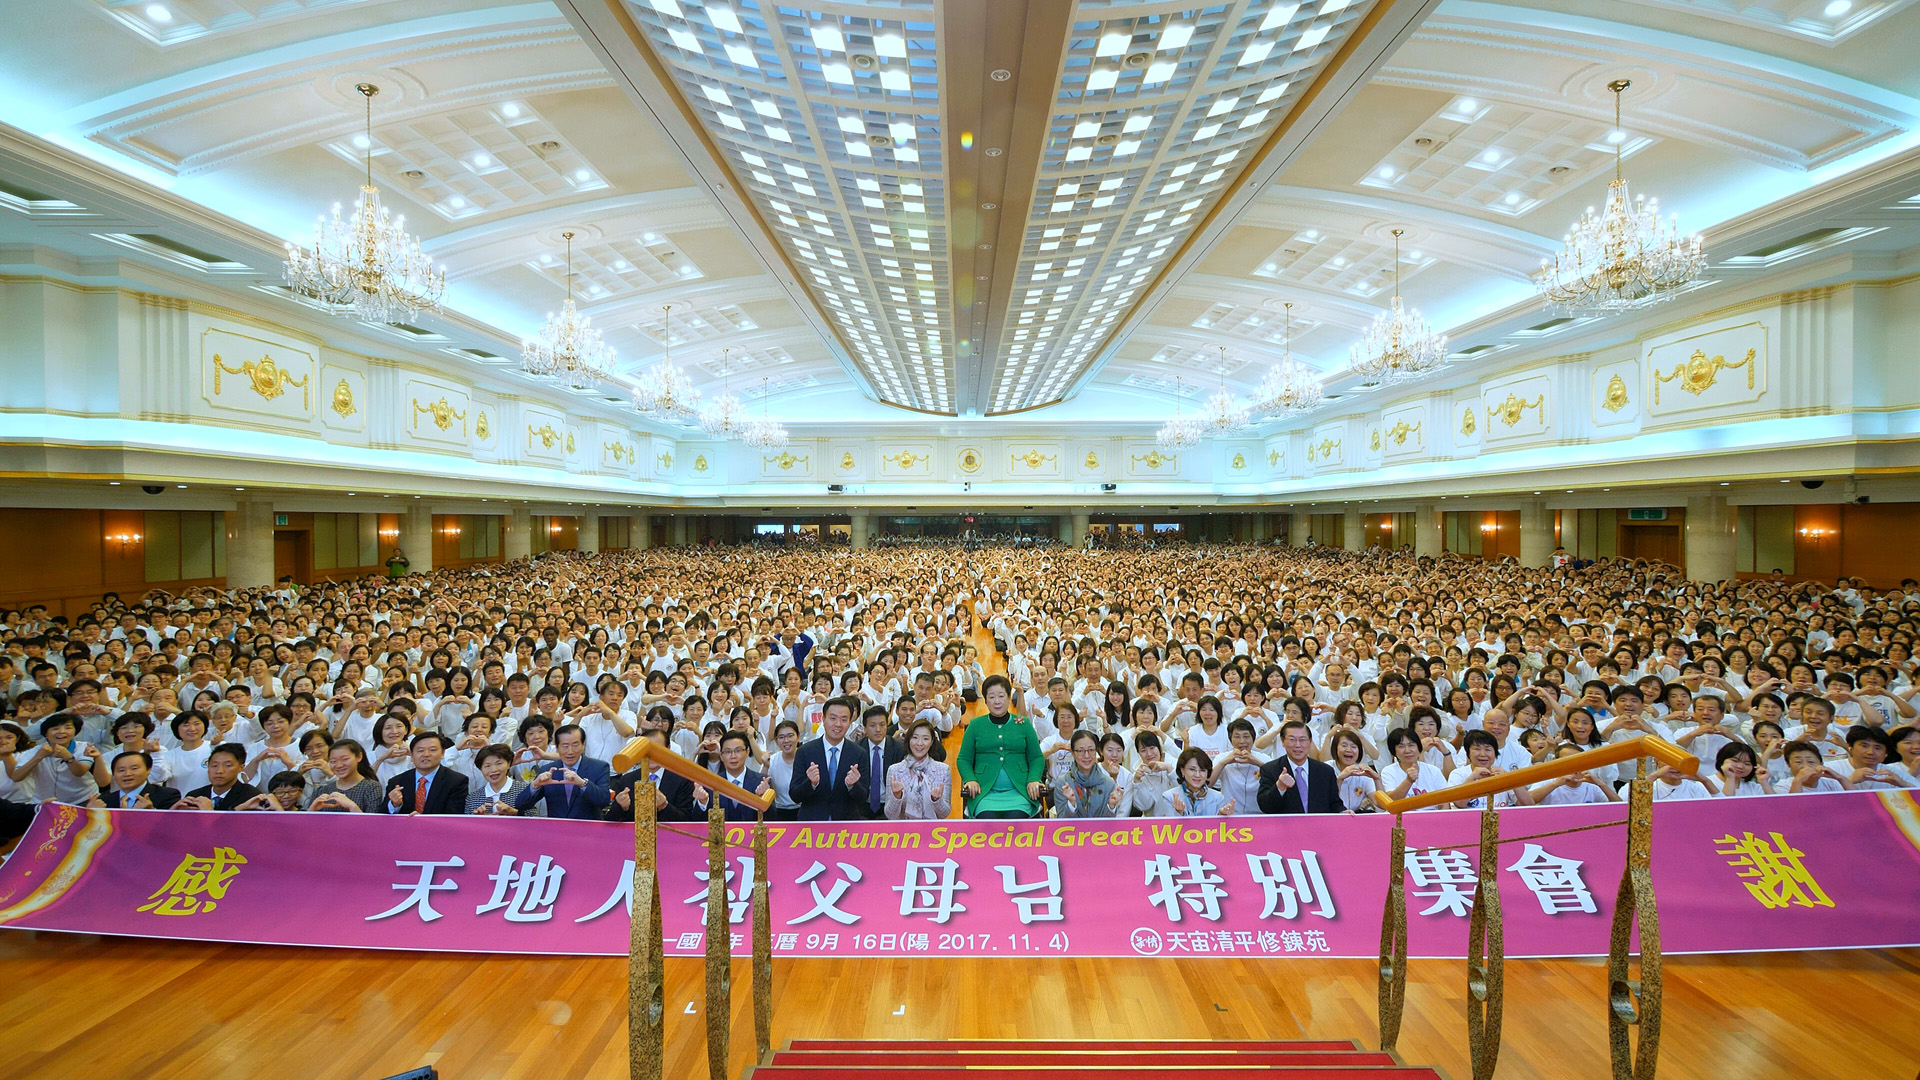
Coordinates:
1224 414
366 266
1181 432
724 417
664 388
1290 387
1399 345
568 349
1621 257
764 433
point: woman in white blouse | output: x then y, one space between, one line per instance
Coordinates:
1407 775
1358 780
918 787
786 740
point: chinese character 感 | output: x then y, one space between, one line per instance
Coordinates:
1445 871
420 893
828 904
930 889
526 892
1033 909
1286 885
1555 881
1773 871
1196 883
196 884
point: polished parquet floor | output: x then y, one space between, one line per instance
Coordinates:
100 1008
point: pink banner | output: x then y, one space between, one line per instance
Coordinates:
1732 875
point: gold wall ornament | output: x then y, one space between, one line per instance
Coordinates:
1616 397
1400 430
1273 459
1154 459
1510 411
1032 459
1373 440
342 399
619 452
906 459
570 447
482 428
545 433
1467 425
700 463
1093 460
1324 449
1697 373
266 378
666 462
846 461
442 411
969 460
1239 462
786 461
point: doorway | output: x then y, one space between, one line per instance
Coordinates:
293 555
1660 542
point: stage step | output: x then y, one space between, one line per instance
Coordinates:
1227 1045
1038 1059
1093 1072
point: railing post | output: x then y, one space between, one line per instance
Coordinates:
719 943
1393 940
1635 1002
1486 952
762 946
646 994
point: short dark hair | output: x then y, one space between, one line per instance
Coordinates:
1480 737
233 750
564 730
852 705
441 739
996 680
141 754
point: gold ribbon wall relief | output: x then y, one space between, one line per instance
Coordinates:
786 461
482 428
266 378
342 399
1400 430
1510 411
1467 425
1697 373
1273 459
619 452
1323 451
1154 459
1616 397
666 462
1032 459
904 460
545 433
442 411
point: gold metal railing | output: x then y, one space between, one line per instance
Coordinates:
646 993
1631 1003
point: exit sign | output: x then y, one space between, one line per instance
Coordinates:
281 519
1655 513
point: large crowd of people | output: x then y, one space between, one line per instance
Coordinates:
1185 681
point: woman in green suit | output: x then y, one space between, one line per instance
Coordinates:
1000 762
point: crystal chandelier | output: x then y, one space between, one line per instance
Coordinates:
1290 387
1622 257
764 433
724 417
1180 432
568 349
1224 413
1399 345
664 388
366 267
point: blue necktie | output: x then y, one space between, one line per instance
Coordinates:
833 763
878 791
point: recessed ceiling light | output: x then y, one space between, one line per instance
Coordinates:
457 202
1311 234
510 110
481 161
582 174
1616 136
159 13
1466 105
1512 198
1386 172
360 142
1837 8
1176 36
1491 157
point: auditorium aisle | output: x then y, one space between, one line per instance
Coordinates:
991 663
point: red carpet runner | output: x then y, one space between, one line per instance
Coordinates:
837 1059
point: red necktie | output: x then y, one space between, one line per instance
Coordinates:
420 796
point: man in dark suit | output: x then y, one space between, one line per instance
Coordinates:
1294 783
735 750
829 779
878 753
130 789
226 791
573 787
673 795
427 788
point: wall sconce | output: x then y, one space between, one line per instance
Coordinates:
1487 526
1814 533
126 540
554 528
389 533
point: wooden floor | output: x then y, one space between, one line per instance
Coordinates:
108 1008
